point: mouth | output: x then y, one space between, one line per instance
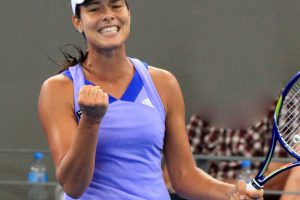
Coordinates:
109 30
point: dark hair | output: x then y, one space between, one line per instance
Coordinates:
70 60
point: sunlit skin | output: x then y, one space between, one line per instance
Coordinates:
292 185
106 26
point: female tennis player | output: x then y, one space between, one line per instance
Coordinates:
108 118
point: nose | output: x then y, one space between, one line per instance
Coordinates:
108 15
108 18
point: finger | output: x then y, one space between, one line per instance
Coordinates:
94 91
99 92
242 190
237 196
101 95
84 90
83 93
257 194
105 97
233 197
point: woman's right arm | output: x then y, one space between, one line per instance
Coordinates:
72 145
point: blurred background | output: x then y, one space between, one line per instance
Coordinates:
231 59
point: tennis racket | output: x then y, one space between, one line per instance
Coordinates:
286 130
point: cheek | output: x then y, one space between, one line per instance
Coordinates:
90 23
125 17
127 22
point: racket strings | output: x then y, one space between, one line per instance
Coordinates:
289 107
289 112
289 118
291 126
289 122
291 135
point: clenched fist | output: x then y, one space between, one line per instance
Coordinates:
241 193
93 103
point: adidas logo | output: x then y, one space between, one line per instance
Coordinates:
147 102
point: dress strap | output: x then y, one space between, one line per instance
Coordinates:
149 86
78 81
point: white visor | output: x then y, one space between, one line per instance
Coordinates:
74 4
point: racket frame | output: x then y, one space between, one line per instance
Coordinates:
259 180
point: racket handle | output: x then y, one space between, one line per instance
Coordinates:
253 185
250 187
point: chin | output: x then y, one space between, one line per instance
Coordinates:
110 47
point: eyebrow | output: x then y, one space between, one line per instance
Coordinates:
93 2
114 1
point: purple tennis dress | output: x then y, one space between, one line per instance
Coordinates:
130 141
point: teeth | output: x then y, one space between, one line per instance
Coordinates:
109 29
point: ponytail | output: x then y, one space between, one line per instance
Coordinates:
69 59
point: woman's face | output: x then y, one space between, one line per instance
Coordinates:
105 23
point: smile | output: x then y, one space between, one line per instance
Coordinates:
110 29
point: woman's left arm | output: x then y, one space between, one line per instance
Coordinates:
187 180
292 185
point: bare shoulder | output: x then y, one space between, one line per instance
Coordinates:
166 84
56 81
161 74
57 88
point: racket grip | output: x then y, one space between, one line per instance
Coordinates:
250 187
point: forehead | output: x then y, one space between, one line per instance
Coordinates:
102 1
97 2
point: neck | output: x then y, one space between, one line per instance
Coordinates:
107 64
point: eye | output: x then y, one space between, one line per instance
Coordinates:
117 5
94 9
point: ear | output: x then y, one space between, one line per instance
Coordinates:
129 14
77 23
